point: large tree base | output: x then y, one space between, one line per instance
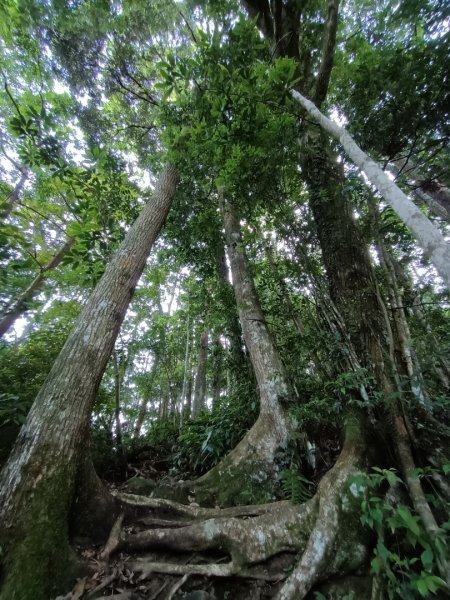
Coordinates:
317 540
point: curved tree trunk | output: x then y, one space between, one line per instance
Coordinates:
37 484
250 466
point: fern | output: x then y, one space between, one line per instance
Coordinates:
296 487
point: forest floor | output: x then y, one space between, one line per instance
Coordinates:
123 576
143 558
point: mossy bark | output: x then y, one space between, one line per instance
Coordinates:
251 466
39 561
38 482
326 530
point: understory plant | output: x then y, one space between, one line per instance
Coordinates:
405 558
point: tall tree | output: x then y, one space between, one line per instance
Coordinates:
38 481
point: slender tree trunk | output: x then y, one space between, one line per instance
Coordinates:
239 364
442 365
164 401
20 306
217 377
186 371
145 400
199 400
119 435
428 236
253 459
37 484
188 405
15 194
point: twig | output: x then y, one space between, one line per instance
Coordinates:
103 584
188 26
179 584
159 590
113 540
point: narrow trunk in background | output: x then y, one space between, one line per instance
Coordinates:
20 306
217 368
119 437
186 372
37 484
199 400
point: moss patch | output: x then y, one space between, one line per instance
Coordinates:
39 563
248 483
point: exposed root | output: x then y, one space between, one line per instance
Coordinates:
285 528
147 568
326 530
113 540
177 586
104 584
127 595
335 544
132 503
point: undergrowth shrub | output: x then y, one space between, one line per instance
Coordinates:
405 558
205 440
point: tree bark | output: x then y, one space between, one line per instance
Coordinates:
253 459
435 194
37 484
428 236
198 402
20 306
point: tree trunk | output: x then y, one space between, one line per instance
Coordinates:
21 304
199 401
119 436
217 377
37 484
249 468
428 236
186 372
188 405
147 395
239 360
